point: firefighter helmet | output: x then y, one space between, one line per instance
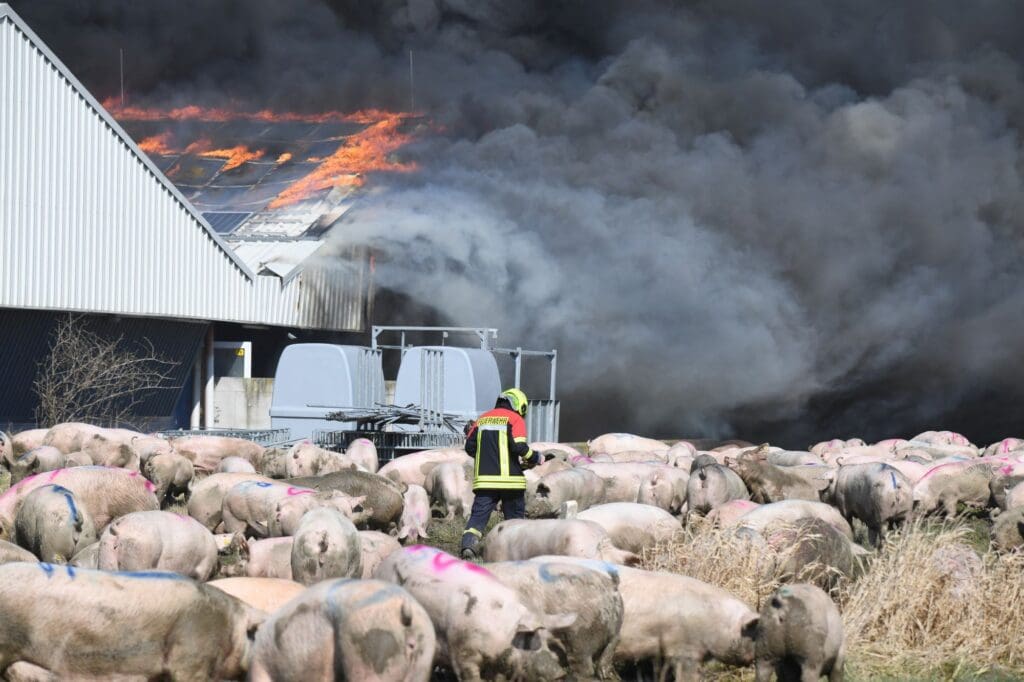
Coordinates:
517 399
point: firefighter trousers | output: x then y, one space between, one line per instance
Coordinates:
513 506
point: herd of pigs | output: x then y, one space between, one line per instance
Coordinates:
302 563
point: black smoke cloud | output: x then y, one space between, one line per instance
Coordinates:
777 220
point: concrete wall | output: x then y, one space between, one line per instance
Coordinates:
242 403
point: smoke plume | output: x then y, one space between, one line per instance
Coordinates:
777 220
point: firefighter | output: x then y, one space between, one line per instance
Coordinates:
497 442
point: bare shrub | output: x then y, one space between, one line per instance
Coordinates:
88 378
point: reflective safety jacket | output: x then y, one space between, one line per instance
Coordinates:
497 441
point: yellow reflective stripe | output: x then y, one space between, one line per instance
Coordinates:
503 453
498 484
473 531
476 460
521 439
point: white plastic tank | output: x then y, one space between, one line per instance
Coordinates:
462 381
325 374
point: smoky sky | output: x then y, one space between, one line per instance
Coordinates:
783 221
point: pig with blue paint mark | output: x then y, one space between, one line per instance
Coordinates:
158 540
52 524
877 494
150 624
105 493
348 630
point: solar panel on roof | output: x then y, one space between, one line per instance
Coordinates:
224 222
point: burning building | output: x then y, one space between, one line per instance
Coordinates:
203 238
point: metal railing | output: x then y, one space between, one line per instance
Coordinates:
265 437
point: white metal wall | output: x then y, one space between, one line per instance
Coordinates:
87 223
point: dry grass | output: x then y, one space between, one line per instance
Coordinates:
926 607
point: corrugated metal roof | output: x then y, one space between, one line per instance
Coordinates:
279 258
88 223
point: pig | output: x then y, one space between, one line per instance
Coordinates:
942 438
375 547
633 527
37 461
1007 532
347 630
769 483
628 456
581 485
1004 447
877 494
664 487
789 511
946 485
790 458
207 498
484 629
148 446
363 452
383 497
152 624
621 480
570 452
158 540
681 448
270 558
10 552
6 450
325 545
546 587
87 557
171 473
235 465
23 441
206 452
960 569
611 443
78 459
70 436
272 463
412 469
111 452
271 509
450 487
103 492
306 459
519 539
262 594
711 486
728 513
1006 492
811 550
912 470
678 620
800 636
415 514
52 524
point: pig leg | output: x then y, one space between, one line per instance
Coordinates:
684 670
949 505
874 536
763 670
605 664
231 524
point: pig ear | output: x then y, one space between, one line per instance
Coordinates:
559 621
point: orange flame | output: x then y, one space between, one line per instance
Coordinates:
157 144
236 156
364 151
284 158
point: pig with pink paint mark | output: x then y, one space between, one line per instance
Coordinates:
271 509
347 630
610 443
306 459
415 515
78 623
1004 447
158 540
728 513
484 629
363 452
944 486
103 492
